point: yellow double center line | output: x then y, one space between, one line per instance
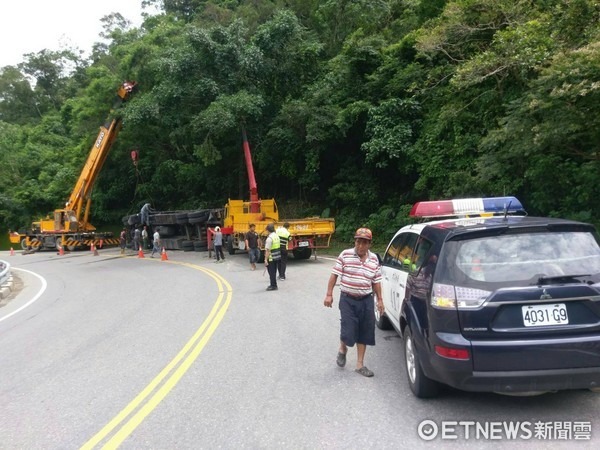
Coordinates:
150 397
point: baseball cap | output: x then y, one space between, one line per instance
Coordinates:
217 228
363 233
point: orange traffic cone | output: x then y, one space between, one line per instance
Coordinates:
163 255
61 250
101 242
92 247
12 252
141 252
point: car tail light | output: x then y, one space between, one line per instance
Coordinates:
469 298
453 353
447 296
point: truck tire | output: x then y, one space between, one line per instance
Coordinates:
134 219
302 253
70 245
24 243
230 247
35 248
199 216
181 218
200 246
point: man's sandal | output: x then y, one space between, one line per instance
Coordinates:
364 371
341 359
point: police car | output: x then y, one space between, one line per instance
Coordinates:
494 300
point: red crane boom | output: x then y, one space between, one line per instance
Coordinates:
254 202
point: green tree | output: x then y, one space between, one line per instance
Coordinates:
16 97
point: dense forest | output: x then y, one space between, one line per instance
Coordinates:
353 108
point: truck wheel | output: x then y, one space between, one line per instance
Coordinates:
34 247
70 244
302 253
181 218
230 247
24 243
134 219
200 216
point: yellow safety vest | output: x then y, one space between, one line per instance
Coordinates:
275 252
284 236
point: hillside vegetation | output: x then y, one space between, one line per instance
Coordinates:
355 109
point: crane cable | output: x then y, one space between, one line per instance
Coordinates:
139 181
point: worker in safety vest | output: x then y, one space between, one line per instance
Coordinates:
284 237
272 256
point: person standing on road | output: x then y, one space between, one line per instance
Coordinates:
155 243
145 238
272 256
252 246
136 238
218 242
123 240
360 275
284 237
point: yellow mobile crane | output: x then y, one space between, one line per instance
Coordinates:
70 228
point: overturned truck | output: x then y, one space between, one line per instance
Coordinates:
185 230
190 230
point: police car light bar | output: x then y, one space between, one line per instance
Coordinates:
466 206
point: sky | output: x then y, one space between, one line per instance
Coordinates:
29 26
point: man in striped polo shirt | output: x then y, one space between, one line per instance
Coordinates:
360 276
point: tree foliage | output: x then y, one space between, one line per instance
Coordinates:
355 107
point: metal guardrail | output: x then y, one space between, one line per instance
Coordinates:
4 272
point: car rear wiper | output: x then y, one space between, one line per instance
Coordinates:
562 279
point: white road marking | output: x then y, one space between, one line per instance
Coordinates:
35 297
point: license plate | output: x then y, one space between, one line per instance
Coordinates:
541 315
303 244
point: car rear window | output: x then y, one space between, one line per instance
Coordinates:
519 259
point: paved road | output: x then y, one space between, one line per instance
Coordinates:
191 354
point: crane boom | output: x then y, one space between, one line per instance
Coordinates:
81 195
254 202
70 225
